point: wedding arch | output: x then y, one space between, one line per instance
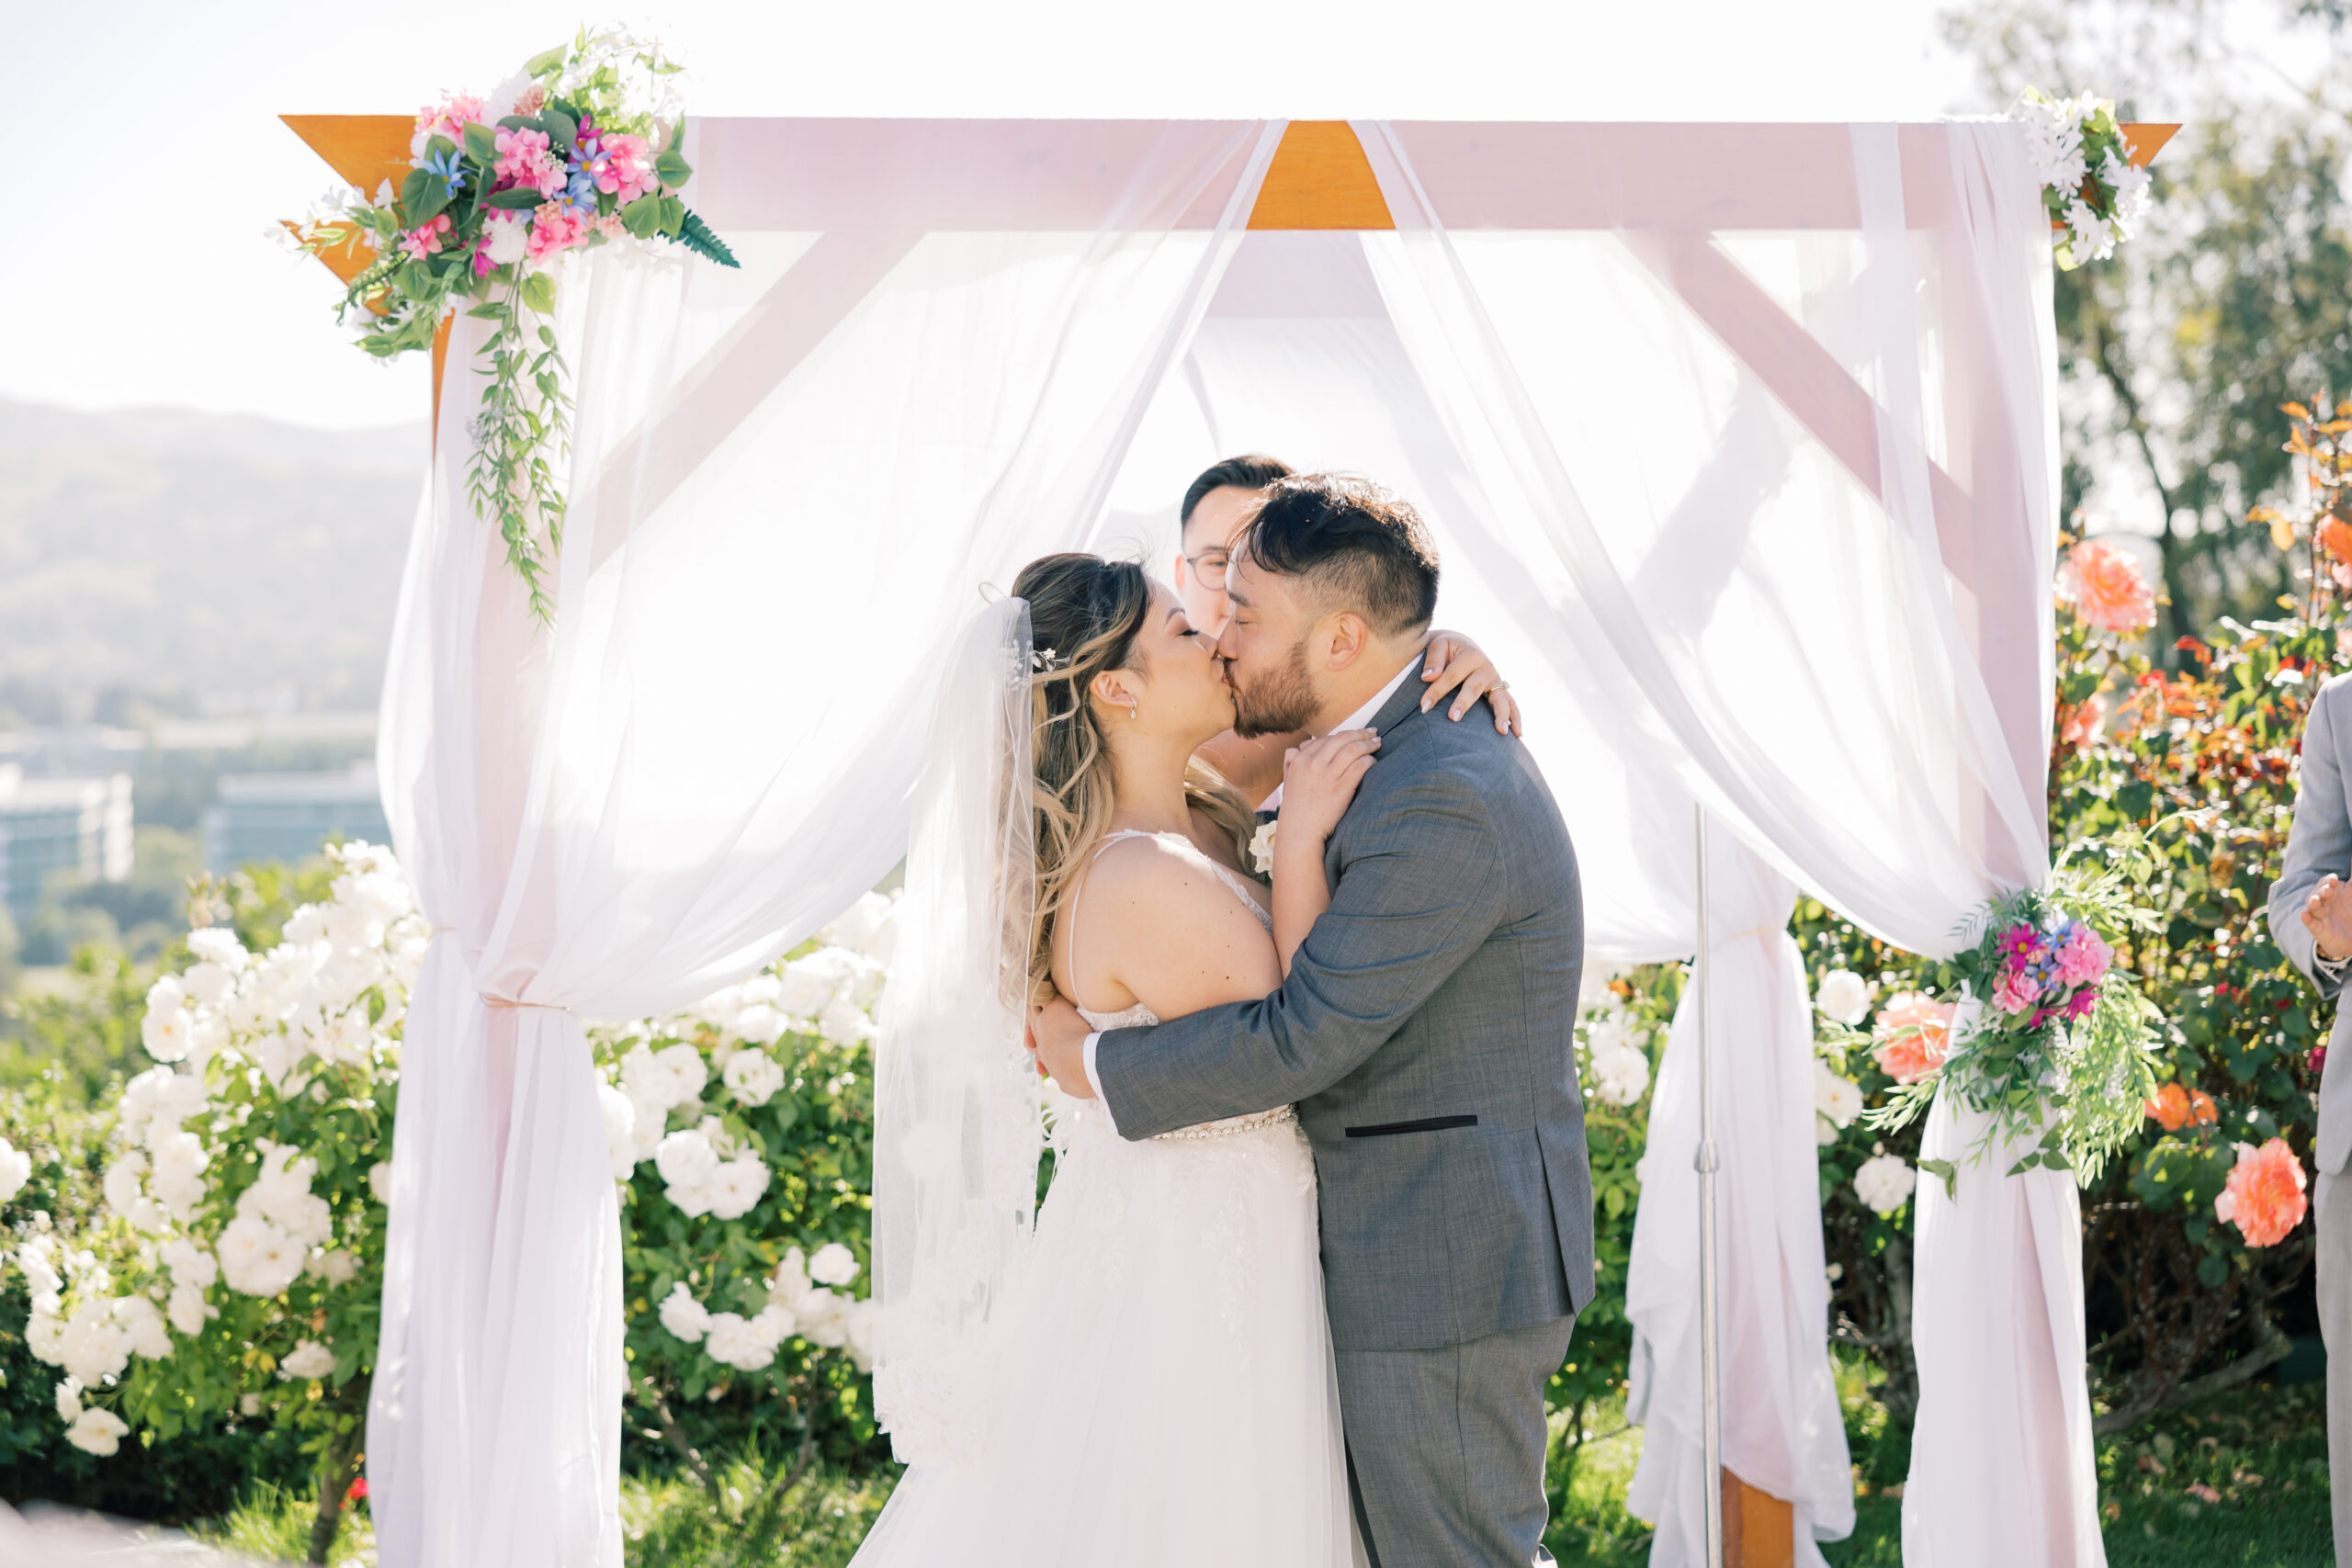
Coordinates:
1740 446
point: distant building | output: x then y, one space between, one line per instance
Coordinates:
60 830
290 817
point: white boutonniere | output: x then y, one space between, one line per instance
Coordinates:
1261 848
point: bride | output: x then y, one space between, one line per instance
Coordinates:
1159 1335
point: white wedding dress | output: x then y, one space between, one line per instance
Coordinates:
1165 1394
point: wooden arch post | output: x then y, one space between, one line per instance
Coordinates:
1320 179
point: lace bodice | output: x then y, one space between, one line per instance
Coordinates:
1140 1016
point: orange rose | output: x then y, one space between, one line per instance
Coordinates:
2077 726
2170 1107
2265 1196
2103 584
1914 1036
2335 538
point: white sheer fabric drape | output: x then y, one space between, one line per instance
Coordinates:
786 484
1793 500
1782 1430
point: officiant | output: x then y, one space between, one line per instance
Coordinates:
2310 918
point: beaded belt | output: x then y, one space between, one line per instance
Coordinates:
1233 1127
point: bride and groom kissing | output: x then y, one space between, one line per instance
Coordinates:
1321 1220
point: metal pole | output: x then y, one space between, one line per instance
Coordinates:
1710 1416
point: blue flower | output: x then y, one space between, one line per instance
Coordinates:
580 191
450 167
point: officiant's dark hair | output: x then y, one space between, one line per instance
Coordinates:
1357 541
1255 472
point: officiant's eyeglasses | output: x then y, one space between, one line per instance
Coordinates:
1209 566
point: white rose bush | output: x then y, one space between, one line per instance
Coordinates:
231 1268
742 1132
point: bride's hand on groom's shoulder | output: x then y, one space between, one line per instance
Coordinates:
1319 779
1454 663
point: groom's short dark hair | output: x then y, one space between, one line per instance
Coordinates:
1358 542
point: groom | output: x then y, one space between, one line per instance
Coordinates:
1423 1033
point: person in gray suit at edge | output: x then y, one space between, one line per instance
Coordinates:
1423 1033
2310 918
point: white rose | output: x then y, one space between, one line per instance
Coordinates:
504 241
207 983
620 1130
842 1022
379 1182
336 1268
1844 996
687 1071
1838 1100
122 1187
68 1396
775 1324
685 1158
761 1024
257 1258
733 1342
306 926
861 1321
821 1319
1620 1071
94 1347
165 1031
15 1170
309 1359
139 1319
806 985
682 1316
867 927
734 1187
45 1333
790 1286
1884 1181
653 1118
219 945
96 1431
189 1264
833 1265
753 1076
187 1309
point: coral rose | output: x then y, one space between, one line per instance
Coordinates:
1914 1036
2265 1196
2079 724
2169 1106
2104 585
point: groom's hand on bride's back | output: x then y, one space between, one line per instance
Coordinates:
1058 1039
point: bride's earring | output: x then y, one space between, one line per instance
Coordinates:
1132 712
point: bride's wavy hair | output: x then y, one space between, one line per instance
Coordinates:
1084 613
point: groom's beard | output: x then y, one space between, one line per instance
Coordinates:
1279 703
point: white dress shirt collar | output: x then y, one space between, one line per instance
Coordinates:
1356 720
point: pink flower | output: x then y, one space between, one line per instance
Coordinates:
2265 1195
524 161
448 118
1914 1036
2084 956
2017 992
425 240
2104 586
2083 1002
2080 725
624 167
555 228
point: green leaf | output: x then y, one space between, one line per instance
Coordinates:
2212 1270
515 201
1949 1171
642 217
673 214
562 130
424 195
673 169
546 62
538 292
482 144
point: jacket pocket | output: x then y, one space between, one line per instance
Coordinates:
1426 1125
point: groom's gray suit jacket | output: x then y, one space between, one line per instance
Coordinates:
1424 1033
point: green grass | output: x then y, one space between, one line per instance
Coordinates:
2261 1451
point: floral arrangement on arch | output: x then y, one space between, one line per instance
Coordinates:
2092 191
2047 1037
583 147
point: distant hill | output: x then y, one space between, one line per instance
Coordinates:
192 562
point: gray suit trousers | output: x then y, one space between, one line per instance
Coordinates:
1445 1448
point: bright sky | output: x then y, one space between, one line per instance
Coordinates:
139 273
